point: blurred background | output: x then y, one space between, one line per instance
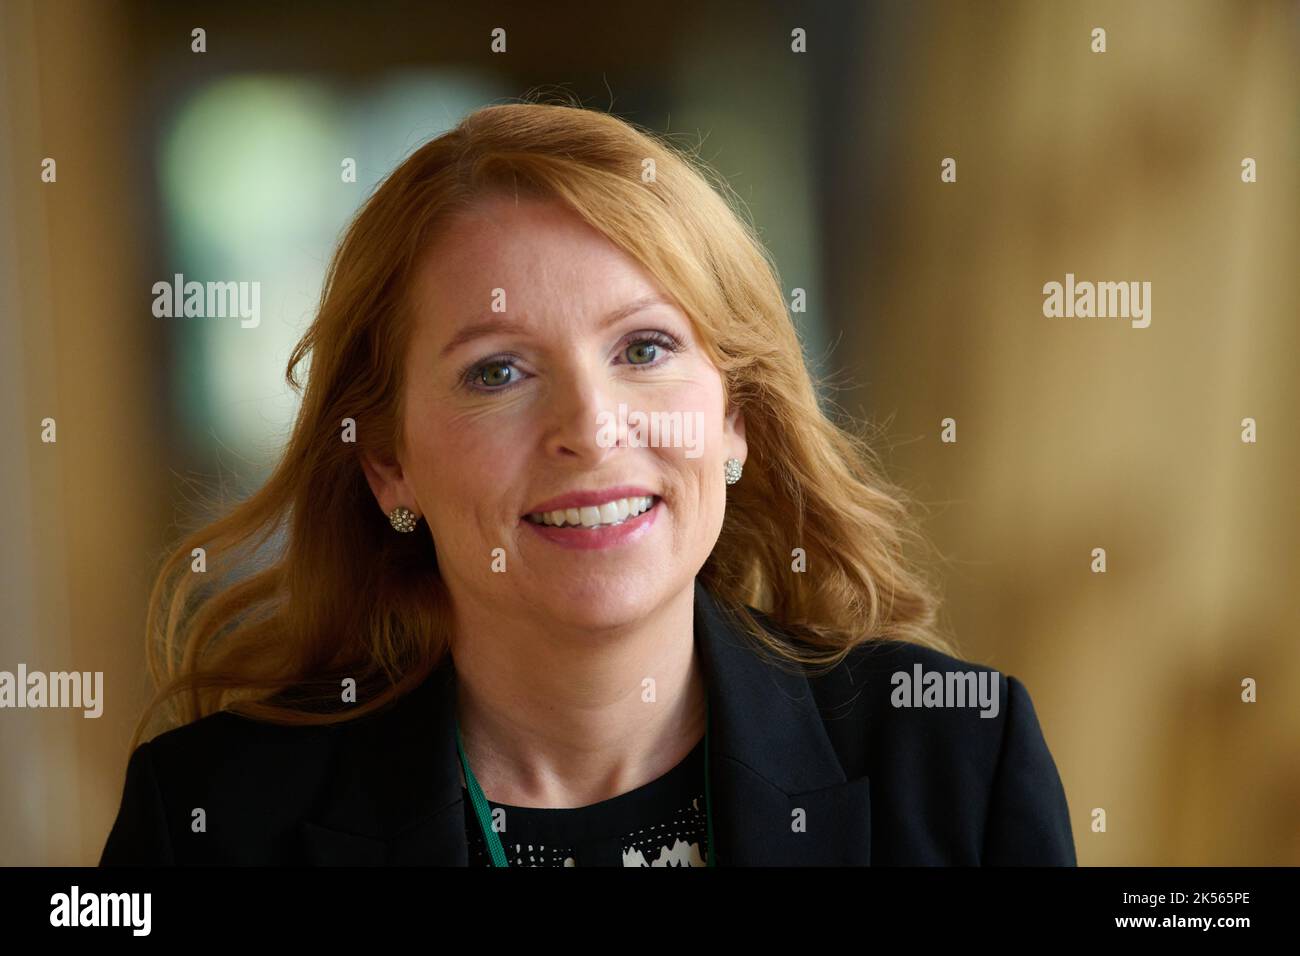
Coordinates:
925 302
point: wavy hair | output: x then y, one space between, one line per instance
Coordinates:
343 596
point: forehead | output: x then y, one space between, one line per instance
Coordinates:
544 257
526 241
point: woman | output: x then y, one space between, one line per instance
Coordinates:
575 570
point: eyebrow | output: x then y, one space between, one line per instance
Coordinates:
487 327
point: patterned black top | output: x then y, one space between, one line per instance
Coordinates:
662 823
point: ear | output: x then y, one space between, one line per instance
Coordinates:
388 483
735 435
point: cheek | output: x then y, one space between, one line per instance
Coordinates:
701 399
457 455
696 466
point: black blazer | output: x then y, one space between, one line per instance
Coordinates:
877 784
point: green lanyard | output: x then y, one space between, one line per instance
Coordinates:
490 835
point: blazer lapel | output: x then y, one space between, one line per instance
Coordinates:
780 795
394 791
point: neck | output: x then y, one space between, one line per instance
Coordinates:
556 718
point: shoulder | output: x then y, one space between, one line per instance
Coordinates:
891 697
226 740
960 769
890 689
218 739
222 789
225 759
229 755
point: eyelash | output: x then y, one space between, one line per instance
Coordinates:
471 374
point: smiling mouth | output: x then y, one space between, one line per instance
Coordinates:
608 515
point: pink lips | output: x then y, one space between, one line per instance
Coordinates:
591 539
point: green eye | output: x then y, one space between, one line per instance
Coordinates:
501 376
648 349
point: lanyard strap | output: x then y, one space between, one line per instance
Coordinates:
493 840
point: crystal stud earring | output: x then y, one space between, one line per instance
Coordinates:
402 518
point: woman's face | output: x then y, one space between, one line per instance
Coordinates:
531 330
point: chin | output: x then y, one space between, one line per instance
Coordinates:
601 603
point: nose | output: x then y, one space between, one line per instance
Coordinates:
574 417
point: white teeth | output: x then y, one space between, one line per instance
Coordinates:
611 512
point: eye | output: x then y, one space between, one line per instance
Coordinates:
644 349
494 373
499 374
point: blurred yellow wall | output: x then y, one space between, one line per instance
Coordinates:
1082 433
84 516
